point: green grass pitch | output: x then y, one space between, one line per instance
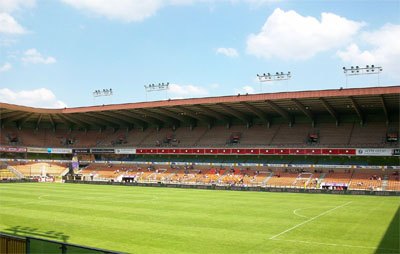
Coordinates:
169 220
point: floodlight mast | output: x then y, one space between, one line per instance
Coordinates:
278 76
156 88
101 93
356 70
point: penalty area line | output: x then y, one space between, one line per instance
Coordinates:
311 219
295 212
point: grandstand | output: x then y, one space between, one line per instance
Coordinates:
344 138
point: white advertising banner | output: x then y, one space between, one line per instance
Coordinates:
61 150
37 150
125 151
374 152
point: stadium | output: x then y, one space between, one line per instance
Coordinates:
199 126
228 174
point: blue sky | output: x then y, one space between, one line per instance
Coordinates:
55 53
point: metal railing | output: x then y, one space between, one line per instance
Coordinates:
27 244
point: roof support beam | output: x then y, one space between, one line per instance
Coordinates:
195 115
160 117
306 111
15 118
385 109
24 120
330 109
174 115
235 113
69 124
52 121
89 121
357 109
280 111
136 117
110 119
126 118
4 116
38 121
213 113
10 114
98 118
80 123
261 114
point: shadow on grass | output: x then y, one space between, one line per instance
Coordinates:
35 232
391 240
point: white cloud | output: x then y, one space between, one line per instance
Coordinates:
35 57
9 25
384 49
41 97
186 91
229 52
13 5
261 2
245 90
288 35
5 67
125 10
353 54
138 10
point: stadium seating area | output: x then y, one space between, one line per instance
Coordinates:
367 180
393 182
243 176
355 179
38 169
281 135
6 174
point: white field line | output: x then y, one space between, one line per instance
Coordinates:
311 219
334 244
295 212
42 196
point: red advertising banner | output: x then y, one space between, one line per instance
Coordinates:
267 151
224 151
210 151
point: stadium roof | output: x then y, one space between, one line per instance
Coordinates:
244 108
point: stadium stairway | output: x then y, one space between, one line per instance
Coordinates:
65 172
351 134
222 176
267 178
16 172
320 179
384 182
201 137
351 177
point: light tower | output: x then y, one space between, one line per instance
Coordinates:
156 88
356 70
278 76
101 93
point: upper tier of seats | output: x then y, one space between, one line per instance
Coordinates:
298 135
